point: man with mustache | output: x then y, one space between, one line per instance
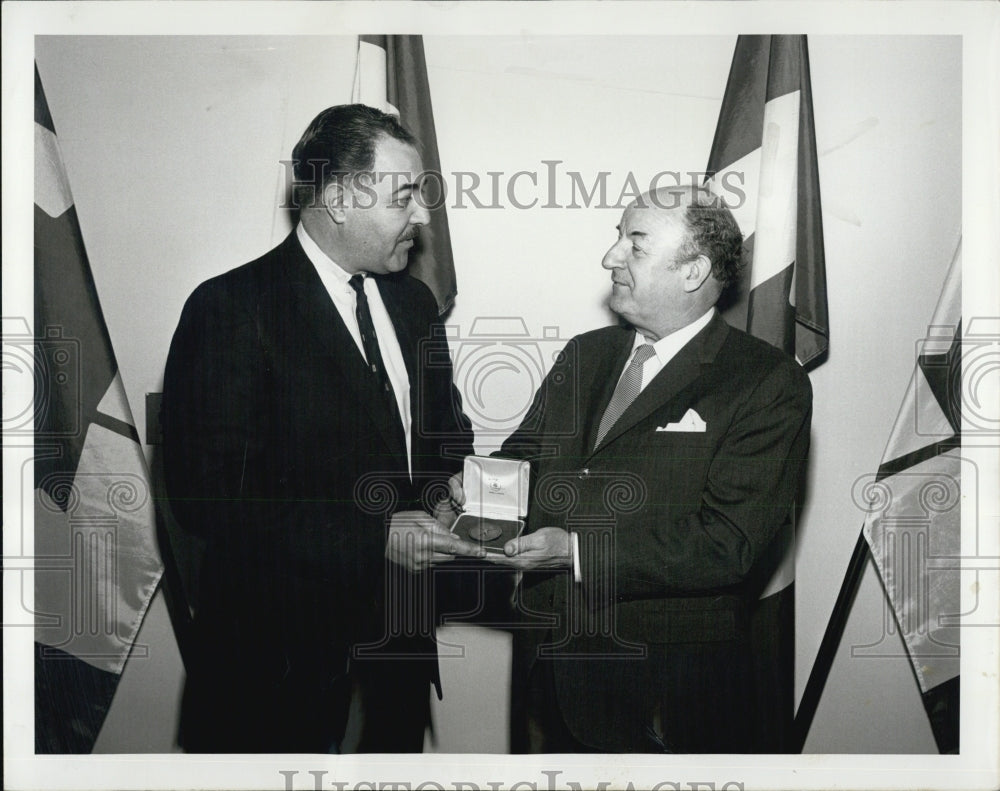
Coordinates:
302 435
666 454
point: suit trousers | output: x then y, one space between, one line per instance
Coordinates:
699 701
379 708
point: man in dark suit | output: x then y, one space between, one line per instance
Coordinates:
303 440
666 454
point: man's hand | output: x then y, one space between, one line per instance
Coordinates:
547 548
457 491
447 510
417 540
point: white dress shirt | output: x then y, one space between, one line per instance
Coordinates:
335 280
664 350
667 347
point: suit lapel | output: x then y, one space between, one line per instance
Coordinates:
311 300
686 366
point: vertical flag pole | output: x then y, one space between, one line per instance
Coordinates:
828 647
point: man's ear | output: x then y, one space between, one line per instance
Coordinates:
335 201
696 272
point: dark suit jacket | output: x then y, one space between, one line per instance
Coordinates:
281 453
671 526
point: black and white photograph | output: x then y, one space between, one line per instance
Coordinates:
501 395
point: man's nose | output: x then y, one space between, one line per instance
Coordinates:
612 259
420 215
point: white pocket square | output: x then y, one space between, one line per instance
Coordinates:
690 422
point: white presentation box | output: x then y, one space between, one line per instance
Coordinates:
496 501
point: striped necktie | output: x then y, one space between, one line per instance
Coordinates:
625 393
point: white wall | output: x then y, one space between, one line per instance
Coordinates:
171 147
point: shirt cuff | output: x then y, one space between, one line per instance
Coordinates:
575 549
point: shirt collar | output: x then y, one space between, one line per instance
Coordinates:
319 259
669 345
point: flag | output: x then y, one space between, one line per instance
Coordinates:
913 523
391 75
96 562
765 151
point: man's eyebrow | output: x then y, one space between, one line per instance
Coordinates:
406 188
640 234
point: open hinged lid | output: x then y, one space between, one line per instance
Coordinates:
496 488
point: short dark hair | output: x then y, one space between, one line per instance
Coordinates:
715 234
340 142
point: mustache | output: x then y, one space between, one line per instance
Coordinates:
410 235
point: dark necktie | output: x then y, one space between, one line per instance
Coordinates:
625 393
370 341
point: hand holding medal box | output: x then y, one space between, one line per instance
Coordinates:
496 501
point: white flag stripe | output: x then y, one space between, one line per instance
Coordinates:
913 526
114 403
52 193
370 78
93 553
743 175
784 575
777 203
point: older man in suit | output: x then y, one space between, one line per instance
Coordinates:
666 454
302 435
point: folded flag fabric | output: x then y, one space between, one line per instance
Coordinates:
913 523
96 562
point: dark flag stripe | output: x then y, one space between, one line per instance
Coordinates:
919 456
769 311
76 362
42 115
812 330
72 698
119 427
943 706
784 72
378 41
741 117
